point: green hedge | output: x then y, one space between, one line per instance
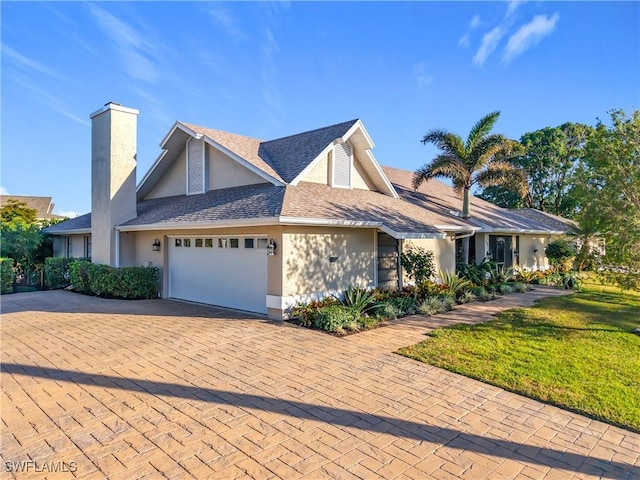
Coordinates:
7 275
124 282
56 272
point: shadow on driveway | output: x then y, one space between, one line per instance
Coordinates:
346 418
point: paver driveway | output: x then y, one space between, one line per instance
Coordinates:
155 389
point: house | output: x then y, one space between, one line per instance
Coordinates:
260 225
42 205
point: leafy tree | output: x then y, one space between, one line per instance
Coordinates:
609 179
482 160
15 209
550 160
418 263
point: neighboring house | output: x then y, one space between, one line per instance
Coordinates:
42 205
260 225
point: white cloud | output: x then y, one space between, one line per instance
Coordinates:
135 49
475 22
3 191
512 7
529 35
422 77
488 44
67 213
223 19
465 40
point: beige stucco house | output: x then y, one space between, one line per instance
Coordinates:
260 225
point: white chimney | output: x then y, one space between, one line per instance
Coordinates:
113 177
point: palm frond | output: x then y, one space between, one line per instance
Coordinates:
442 166
481 128
446 141
505 175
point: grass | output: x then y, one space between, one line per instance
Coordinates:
577 352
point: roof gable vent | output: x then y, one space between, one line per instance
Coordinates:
196 166
342 161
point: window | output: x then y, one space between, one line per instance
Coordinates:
248 243
223 243
87 246
186 242
178 242
262 243
198 243
208 243
234 243
69 248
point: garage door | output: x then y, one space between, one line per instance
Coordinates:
226 271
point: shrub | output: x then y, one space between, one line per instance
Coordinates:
480 293
453 284
561 253
449 302
306 313
56 272
130 283
527 276
7 275
417 263
476 274
520 287
404 305
335 318
360 300
500 274
504 288
432 306
466 297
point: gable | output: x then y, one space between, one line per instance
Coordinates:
322 172
173 182
225 172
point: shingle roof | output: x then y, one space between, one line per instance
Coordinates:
320 201
252 201
549 220
291 155
42 205
436 194
83 222
245 147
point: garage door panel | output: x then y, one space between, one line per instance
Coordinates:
229 277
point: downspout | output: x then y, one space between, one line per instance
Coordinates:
400 243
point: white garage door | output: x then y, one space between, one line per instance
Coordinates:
226 271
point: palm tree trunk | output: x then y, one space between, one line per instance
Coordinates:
466 203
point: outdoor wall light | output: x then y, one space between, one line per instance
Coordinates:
333 259
271 247
535 250
156 245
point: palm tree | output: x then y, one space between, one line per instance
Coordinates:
481 160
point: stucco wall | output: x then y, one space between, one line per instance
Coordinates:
174 181
443 249
224 172
307 265
528 258
319 173
359 178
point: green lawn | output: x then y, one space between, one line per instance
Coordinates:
578 352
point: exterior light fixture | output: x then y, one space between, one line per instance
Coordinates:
271 247
535 250
156 245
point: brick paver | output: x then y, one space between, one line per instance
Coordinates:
95 388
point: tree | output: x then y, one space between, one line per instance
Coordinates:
609 187
482 160
16 209
550 160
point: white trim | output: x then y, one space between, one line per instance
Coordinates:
328 222
79 231
312 164
247 222
359 125
115 107
378 168
375 258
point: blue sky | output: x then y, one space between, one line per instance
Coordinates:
272 69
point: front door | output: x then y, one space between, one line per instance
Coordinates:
501 250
